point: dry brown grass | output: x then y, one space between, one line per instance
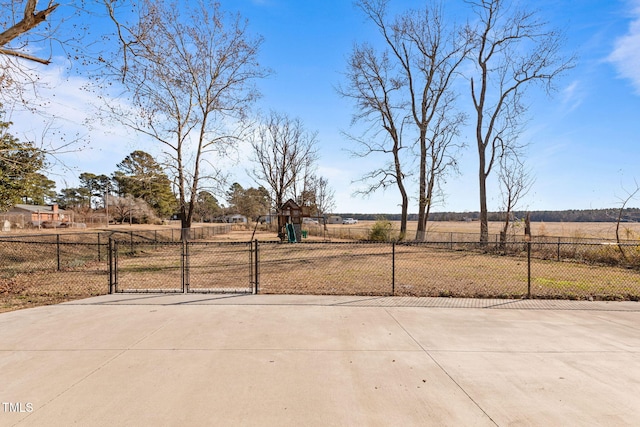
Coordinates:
34 289
324 269
365 269
570 230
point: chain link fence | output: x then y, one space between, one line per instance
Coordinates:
37 269
442 269
203 267
41 272
51 269
347 232
325 268
452 269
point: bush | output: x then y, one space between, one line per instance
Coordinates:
381 230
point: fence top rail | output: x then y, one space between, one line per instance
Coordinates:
322 242
61 242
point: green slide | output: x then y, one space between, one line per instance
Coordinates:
291 232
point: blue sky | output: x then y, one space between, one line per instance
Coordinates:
584 140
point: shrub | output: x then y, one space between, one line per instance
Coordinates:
381 230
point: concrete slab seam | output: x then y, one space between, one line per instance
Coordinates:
430 356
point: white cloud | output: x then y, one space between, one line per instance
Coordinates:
572 96
626 52
61 111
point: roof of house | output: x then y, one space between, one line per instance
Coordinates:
290 204
35 208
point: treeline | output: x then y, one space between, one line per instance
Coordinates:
573 215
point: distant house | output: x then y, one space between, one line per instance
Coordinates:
334 219
38 214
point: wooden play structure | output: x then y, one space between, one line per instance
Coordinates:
290 221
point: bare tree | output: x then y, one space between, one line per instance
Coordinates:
318 196
130 209
375 85
29 19
26 28
282 151
426 53
23 30
513 49
324 196
190 73
515 183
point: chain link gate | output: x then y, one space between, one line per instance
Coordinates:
182 267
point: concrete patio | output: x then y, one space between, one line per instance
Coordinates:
286 360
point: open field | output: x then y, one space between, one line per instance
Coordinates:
567 230
574 230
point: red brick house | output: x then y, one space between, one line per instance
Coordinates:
37 214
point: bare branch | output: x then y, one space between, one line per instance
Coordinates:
512 50
406 90
282 152
189 72
30 20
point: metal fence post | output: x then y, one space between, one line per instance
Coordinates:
529 270
58 250
559 249
185 267
393 268
112 255
99 248
256 267
110 262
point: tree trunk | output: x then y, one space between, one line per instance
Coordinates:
422 190
403 192
405 211
185 224
484 217
505 229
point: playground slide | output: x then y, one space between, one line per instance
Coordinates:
291 233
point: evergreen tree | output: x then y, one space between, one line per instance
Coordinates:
39 190
234 198
74 198
97 186
19 163
207 207
140 176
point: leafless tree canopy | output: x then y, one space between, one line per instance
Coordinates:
189 71
324 195
23 28
515 182
20 18
130 209
404 92
282 151
513 49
